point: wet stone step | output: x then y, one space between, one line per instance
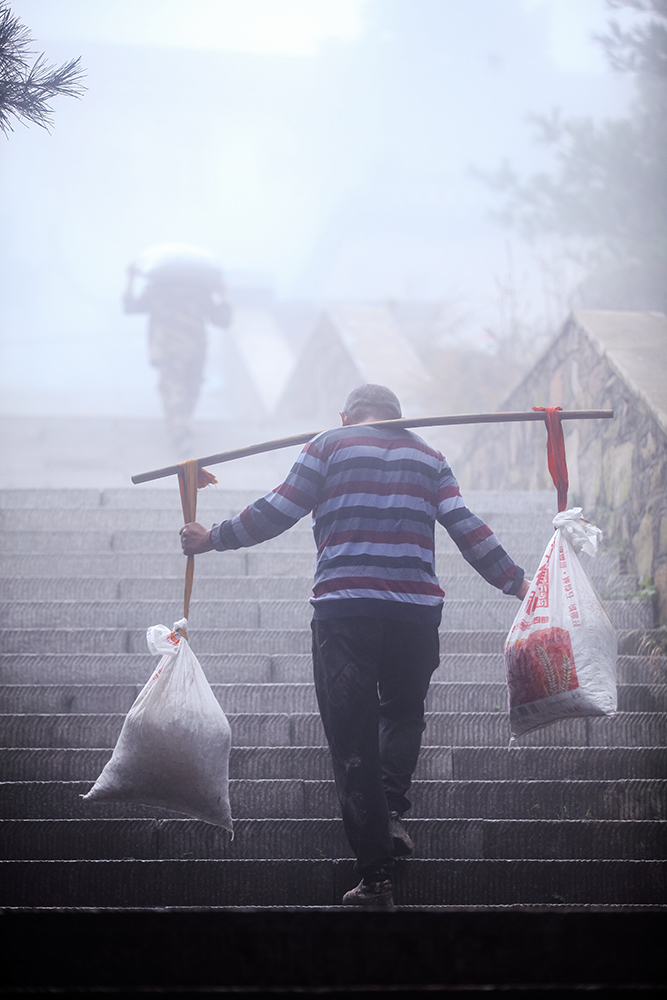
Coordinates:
221 614
136 668
230 640
99 839
525 548
293 798
77 764
162 519
443 696
160 498
255 562
117 565
266 614
305 729
322 883
165 497
233 640
565 763
73 499
435 763
240 587
158 589
95 730
106 519
122 640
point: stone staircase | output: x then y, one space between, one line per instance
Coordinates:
572 816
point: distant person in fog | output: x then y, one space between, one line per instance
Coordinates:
184 290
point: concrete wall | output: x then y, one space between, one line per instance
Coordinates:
617 468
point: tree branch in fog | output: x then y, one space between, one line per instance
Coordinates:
644 48
25 89
607 198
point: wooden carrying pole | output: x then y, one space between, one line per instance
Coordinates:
288 442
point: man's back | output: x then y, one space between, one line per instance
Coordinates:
375 494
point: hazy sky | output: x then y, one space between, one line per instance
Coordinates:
320 146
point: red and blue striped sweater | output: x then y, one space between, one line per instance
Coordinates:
375 495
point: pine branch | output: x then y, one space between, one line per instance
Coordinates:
26 90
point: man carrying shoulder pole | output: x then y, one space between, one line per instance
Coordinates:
375 494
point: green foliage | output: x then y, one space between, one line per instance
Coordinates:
607 198
651 643
646 589
24 89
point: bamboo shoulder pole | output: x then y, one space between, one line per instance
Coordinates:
455 419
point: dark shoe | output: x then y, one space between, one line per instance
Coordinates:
401 842
370 894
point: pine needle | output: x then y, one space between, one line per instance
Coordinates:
25 89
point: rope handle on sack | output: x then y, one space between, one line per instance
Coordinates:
190 479
556 460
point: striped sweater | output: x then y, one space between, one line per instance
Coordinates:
375 495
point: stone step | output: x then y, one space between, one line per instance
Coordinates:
220 588
255 561
322 883
483 502
163 497
267 614
231 640
293 798
136 668
254 614
124 565
443 696
299 538
272 642
165 589
435 763
509 527
29 543
305 729
570 763
101 839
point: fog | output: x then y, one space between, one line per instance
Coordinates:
321 149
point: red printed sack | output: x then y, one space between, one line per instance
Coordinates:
560 654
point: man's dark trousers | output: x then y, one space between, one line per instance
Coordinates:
371 679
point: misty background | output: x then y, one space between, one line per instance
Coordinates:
330 153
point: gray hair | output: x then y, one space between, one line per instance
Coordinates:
372 400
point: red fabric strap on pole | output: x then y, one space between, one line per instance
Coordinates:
556 452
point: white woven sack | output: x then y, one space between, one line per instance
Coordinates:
560 654
180 262
173 749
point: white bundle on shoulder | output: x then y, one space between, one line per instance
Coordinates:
173 749
560 654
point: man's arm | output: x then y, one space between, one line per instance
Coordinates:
475 540
132 303
265 518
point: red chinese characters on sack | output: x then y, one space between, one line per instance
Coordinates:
539 666
539 597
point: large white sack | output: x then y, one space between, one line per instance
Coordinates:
180 262
173 749
560 654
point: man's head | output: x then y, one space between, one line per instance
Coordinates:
370 402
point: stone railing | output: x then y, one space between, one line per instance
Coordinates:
617 468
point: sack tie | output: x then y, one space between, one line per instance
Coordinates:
556 452
190 479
